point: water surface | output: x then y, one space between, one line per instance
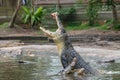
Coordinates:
45 66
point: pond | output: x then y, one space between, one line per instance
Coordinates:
47 65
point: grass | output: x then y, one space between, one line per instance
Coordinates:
68 27
105 26
4 25
74 26
39 32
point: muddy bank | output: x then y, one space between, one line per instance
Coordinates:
96 44
35 50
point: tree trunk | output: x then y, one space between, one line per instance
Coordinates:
115 17
59 5
11 24
114 11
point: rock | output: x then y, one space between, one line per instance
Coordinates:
10 43
107 61
21 61
102 43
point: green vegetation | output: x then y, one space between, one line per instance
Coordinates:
92 11
31 16
106 26
66 14
85 26
109 26
74 26
4 25
113 5
5 28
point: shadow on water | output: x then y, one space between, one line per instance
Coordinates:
45 67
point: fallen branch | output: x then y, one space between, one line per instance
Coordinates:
70 69
107 61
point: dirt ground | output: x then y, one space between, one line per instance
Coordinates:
26 32
17 32
94 31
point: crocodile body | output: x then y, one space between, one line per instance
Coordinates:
65 48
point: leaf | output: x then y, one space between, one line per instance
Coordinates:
38 18
26 19
33 20
26 9
39 11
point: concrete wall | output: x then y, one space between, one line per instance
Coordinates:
106 15
81 14
52 2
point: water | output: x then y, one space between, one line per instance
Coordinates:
46 66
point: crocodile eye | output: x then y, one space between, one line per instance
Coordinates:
63 31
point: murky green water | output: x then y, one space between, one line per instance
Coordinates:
45 67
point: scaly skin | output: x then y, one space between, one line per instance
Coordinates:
65 48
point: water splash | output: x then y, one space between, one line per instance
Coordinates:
112 72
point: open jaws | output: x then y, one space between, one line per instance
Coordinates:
59 24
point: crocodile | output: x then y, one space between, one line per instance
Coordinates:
66 50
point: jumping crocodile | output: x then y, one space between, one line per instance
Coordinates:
65 49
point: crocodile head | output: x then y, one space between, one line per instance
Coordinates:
59 35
